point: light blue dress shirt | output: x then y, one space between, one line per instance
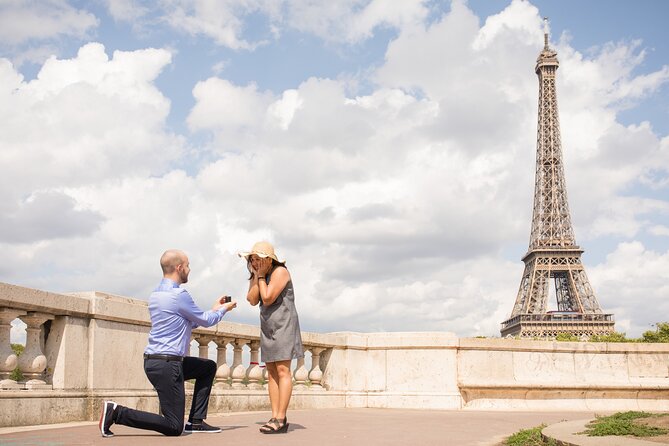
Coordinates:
173 317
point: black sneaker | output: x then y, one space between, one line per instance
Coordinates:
202 427
106 418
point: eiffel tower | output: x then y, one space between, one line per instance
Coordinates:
553 253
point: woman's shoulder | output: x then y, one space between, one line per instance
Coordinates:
281 270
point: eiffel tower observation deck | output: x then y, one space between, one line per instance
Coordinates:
553 255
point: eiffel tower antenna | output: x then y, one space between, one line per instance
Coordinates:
553 254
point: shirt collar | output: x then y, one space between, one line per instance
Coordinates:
170 282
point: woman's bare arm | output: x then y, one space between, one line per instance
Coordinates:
253 295
269 293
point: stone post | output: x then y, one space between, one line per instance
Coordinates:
8 359
203 346
32 361
238 370
316 375
300 374
265 376
254 372
223 370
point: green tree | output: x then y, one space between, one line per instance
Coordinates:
16 373
661 333
567 337
610 337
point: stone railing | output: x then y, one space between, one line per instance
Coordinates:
85 347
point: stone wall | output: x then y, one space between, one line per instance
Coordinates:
86 347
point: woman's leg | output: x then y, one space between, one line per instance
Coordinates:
273 387
285 388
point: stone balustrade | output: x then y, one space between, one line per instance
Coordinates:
41 331
82 348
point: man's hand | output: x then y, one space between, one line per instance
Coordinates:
221 303
229 306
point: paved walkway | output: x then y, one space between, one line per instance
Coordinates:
332 427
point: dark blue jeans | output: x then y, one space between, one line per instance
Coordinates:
168 379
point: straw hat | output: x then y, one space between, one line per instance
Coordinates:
262 250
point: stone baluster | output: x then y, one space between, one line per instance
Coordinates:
8 359
223 370
32 361
316 375
254 372
203 346
300 374
265 376
238 370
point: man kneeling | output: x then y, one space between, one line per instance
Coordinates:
173 317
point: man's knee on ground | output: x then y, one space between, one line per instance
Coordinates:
175 430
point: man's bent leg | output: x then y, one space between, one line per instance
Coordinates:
204 371
168 379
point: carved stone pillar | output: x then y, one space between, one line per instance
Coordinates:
316 375
238 370
223 370
300 374
8 359
254 372
203 346
32 361
265 376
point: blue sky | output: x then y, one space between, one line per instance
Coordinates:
386 148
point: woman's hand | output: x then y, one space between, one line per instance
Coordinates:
265 267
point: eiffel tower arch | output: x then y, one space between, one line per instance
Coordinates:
553 258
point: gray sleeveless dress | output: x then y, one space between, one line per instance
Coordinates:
280 336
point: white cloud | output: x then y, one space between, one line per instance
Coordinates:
395 207
21 21
352 20
224 107
84 119
221 21
659 230
27 222
126 10
634 284
81 121
438 166
348 22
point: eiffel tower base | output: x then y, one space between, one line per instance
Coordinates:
548 326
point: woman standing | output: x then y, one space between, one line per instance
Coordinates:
270 286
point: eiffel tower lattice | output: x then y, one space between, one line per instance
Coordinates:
553 254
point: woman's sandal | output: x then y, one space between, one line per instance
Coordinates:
268 426
275 426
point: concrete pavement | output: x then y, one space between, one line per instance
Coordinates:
326 427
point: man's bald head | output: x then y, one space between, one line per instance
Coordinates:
171 259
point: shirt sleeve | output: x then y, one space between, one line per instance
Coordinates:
191 312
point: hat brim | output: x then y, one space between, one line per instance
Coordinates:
262 255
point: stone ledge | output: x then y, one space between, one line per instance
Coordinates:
28 299
661 385
496 344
